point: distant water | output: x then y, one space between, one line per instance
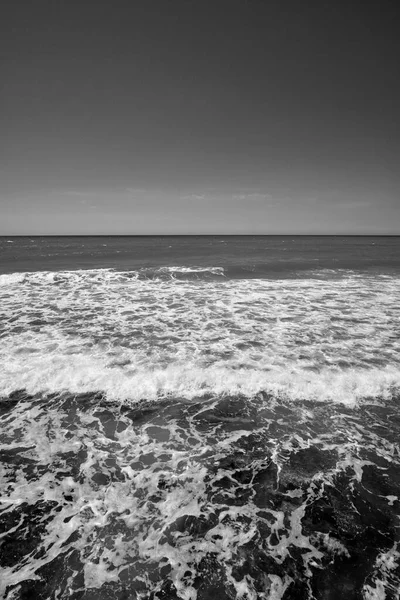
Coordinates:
200 417
239 256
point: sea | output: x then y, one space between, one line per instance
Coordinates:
200 418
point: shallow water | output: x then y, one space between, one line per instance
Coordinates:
188 431
217 497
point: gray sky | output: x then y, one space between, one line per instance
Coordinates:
187 116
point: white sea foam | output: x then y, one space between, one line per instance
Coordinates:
52 371
133 337
383 580
214 270
117 498
12 278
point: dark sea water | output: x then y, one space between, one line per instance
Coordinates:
200 418
240 256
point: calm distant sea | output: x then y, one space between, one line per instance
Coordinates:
200 417
240 256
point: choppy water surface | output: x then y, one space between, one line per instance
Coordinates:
176 431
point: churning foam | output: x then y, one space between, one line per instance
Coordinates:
135 337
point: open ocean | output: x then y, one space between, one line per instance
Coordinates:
200 418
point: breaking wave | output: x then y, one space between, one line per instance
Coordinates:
84 373
132 336
88 275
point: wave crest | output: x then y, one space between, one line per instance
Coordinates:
110 275
85 373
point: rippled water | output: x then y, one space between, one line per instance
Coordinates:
188 431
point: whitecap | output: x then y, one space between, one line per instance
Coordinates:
133 336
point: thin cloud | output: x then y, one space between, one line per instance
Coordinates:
252 196
336 198
194 197
77 193
132 190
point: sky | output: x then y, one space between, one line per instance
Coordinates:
199 116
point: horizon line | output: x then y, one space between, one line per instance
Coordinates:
27 235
